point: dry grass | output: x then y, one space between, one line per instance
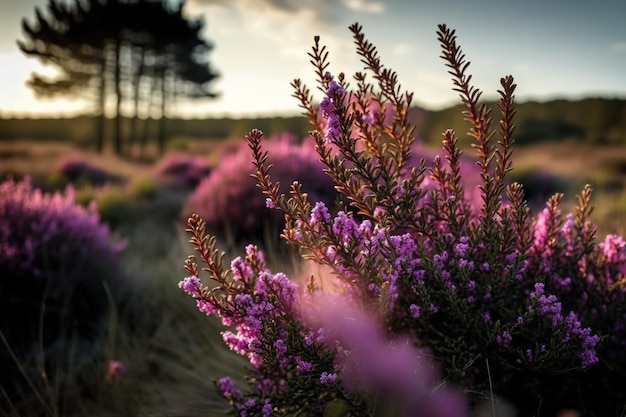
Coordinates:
574 160
39 158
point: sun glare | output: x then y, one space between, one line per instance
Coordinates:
19 101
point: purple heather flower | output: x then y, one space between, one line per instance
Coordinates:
302 365
267 409
487 317
378 212
462 247
504 339
191 285
206 307
228 390
333 126
281 347
240 269
328 378
319 214
415 311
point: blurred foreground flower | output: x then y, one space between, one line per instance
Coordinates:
115 371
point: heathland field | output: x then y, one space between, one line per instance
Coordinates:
153 353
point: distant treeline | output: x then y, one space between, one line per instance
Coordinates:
594 120
82 129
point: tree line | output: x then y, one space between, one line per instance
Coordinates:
137 57
589 120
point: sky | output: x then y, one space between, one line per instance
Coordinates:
554 49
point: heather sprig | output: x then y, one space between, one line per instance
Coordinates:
525 307
291 368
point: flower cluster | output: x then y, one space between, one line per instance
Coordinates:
229 201
428 257
76 169
55 258
181 169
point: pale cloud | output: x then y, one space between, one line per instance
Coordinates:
522 67
289 23
618 47
265 39
322 11
403 49
365 6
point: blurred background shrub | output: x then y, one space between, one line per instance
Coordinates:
231 203
77 170
182 169
56 260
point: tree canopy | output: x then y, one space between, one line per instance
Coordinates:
136 56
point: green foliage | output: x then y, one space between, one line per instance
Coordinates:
144 187
115 206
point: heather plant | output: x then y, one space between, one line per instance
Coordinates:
56 259
527 308
76 170
182 169
229 201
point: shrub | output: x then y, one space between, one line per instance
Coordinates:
143 187
115 205
77 170
182 170
539 185
527 308
55 258
229 200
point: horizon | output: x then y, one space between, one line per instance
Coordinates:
569 52
291 115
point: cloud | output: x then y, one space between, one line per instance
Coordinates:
322 11
289 25
365 6
403 49
618 47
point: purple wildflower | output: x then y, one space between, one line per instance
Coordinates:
328 378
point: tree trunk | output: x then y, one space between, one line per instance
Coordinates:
101 116
162 126
118 93
134 126
146 125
